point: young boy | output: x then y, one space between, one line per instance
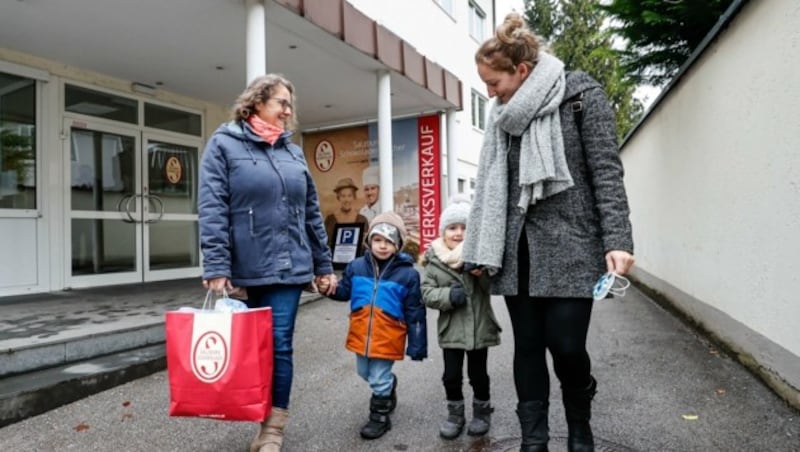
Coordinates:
466 326
385 309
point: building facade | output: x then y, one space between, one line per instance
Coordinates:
105 115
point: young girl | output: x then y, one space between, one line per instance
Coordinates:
466 322
386 313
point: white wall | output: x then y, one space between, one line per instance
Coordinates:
446 41
713 178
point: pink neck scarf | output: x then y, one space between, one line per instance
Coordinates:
268 132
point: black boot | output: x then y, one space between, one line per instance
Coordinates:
393 395
578 408
533 420
379 422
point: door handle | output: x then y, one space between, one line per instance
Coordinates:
126 202
160 208
130 219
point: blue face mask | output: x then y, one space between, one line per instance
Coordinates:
610 283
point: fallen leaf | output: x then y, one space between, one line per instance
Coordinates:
126 403
82 427
720 391
690 417
127 416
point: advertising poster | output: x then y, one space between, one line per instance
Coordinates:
344 165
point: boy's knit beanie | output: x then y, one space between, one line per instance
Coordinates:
390 226
457 211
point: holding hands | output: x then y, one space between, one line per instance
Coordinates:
326 284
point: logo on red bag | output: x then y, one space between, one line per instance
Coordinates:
210 357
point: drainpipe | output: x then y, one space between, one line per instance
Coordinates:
256 39
385 163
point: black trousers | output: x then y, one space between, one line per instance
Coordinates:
559 325
476 370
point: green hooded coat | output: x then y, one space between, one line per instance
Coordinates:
469 327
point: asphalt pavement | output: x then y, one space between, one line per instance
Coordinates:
661 388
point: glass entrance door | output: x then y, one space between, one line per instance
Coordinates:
133 205
104 198
171 245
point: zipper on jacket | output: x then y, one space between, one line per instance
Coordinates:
252 223
300 229
373 298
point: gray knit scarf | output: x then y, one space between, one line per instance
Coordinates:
532 114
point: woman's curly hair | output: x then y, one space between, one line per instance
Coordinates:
260 90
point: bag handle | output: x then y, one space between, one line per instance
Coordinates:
208 297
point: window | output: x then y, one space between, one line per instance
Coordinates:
166 118
478 110
447 6
101 105
477 22
461 183
17 142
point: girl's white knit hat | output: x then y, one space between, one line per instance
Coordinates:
457 211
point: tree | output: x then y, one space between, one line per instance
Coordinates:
661 34
574 30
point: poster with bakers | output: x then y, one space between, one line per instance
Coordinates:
344 165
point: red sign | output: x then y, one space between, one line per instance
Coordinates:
429 179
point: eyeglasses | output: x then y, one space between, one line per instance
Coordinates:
284 103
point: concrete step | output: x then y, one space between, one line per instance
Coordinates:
38 391
36 355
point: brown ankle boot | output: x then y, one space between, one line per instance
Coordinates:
270 438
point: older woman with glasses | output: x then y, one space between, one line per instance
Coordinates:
260 224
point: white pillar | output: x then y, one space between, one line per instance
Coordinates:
385 140
256 39
452 157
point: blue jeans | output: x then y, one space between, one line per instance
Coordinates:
284 301
377 372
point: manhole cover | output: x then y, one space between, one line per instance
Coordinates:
556 441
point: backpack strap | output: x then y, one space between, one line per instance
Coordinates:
576 106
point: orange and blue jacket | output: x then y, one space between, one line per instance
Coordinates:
385 308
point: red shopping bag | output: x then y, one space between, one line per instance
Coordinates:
219 364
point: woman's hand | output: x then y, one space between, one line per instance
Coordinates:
619 262
218 284
326 284
472 269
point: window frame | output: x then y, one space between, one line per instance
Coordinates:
477 22
448 6
37 77
478 104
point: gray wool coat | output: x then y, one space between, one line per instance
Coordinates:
569 233
470 327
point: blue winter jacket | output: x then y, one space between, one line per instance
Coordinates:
385 308
260 221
